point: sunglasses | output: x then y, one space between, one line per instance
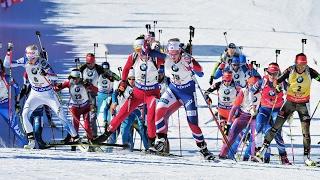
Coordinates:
131 79
273 74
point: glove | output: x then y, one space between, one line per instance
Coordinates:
113 109
250 66
87 82
208 100
187 58
10 46
57 87
226 129
122 86
253 111
17 107
93 108
188 49
278 88
211 80
43 54
42 72
215 111
222 66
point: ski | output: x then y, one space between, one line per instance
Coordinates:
256 159
165 154
88 144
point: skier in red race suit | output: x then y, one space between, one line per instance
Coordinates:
145 63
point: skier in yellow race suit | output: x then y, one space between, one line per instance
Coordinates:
299 78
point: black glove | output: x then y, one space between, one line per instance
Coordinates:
87 82
211 80
208 100
226 129
17 107
43 54
42 72
278 88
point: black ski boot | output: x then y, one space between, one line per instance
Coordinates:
161 144
204 151
284 159
67 139
102 138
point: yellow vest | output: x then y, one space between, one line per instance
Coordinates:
299 86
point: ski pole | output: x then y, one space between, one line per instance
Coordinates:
225 38
95 45
160 32
315 109
240 49
303 42
179 133
154 26
120 72
10 46
77 61
106 54
191 35
277 54
292 151
44 54
38 36
244 136
148 27
217 134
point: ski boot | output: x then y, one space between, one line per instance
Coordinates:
161 143
260 154
204 151
284 159
245 158
266 160
222 157
67 139
31 142
308 161
102 138
42 144
151 143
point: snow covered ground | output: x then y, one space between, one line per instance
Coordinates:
71 27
